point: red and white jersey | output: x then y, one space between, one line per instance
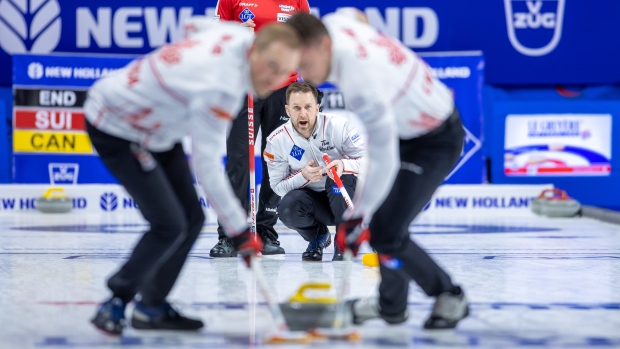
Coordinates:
192 87
392 91
287 152
261 12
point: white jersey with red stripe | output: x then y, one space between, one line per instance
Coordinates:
287 152
391 90
191 87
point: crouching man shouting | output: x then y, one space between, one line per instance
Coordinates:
310 199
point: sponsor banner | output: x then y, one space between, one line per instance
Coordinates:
60 169
107 199
525 41
557 145
113 199
26 141
49 119
485 197
62 70
536 102
49 97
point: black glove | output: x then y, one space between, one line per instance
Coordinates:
351 234
247 245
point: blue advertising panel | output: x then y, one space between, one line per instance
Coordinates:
464 75
537 138
524 41
50 144
59 169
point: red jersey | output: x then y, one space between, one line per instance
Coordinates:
261 12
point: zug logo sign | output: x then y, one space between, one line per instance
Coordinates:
535 20
63 173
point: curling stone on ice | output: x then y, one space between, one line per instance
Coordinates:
54 200
555 203
304 313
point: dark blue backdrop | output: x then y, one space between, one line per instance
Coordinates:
586 50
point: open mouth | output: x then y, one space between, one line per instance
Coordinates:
303 123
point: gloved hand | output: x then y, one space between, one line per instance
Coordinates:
247 245
351 234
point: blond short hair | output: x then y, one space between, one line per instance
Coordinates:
275 32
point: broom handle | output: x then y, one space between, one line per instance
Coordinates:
348 254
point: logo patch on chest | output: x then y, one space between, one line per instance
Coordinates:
246 15
325 146
297 153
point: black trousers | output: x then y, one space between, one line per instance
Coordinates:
167 199
270 113
310 212
425 163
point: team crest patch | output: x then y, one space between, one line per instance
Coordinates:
297 152
246 15
355 137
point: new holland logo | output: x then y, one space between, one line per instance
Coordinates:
29 26
534 26
35 70
108 201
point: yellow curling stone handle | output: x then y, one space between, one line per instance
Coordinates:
300 297
55 192
370 260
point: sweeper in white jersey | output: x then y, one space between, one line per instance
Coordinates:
415 137
137 120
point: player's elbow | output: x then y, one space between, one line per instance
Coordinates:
278 189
